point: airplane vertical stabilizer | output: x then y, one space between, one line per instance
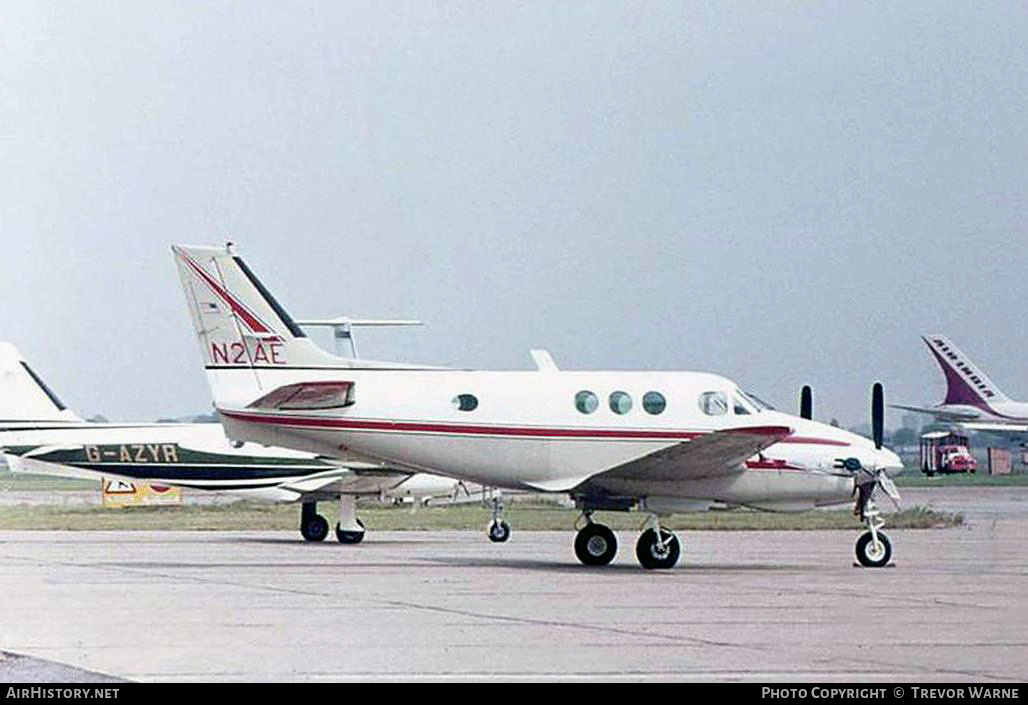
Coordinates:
242 329
24 396
965 382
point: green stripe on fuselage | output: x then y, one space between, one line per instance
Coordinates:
168 455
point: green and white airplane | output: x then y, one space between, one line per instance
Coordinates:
39 434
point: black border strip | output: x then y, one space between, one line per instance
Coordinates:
279 311
42 385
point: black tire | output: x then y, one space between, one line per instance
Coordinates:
499 531
651 557
867 556
350 536
314 528
596 544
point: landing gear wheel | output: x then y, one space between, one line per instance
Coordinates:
350 536
499 531
596 544
314 528
652 554
871 555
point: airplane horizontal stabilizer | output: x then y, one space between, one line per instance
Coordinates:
307 395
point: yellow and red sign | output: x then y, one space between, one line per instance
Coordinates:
118 494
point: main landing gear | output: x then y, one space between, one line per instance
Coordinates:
595 544
349 529
657 548
313 526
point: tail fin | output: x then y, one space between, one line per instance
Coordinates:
24 396
965 382
242 329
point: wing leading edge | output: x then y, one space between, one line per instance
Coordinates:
713 454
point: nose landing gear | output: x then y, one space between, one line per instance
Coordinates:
874 550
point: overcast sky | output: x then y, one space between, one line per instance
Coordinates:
783 193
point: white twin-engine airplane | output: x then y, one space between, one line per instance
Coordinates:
972 400
38 434
656 441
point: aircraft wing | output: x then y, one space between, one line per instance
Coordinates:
940 414
712 454
355 478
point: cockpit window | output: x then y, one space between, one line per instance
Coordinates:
742 405
758 402
714 403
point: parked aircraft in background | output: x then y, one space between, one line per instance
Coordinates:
38 434
972 400
655 441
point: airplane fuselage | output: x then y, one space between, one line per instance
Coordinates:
196 456
548 430
1012 412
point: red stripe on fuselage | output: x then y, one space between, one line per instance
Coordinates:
516 431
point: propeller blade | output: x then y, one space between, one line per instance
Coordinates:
806 402
886 483
877 414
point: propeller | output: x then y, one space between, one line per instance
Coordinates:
867 478
866 475
806 402
877 414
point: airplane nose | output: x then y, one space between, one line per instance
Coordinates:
889 462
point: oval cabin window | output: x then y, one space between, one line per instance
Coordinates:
620 402
465 402
586 402
654 403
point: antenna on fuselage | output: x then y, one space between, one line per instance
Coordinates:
342 328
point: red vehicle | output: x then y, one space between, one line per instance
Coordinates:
946 452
